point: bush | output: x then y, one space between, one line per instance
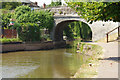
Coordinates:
15 26
46 37
7 40
29 32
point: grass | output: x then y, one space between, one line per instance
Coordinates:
87 71
8 40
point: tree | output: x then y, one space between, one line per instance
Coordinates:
23 14
93 11
6 19
79 30
55 3
10 5
21 10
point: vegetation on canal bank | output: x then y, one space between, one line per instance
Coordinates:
27 23
93 53
9 40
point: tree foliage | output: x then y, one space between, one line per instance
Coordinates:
68 32
23 14
21 10
10 5
6 19
78 29
56 3
93 11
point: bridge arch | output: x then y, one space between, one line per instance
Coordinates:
61 24
98 28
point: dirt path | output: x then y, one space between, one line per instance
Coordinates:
108 67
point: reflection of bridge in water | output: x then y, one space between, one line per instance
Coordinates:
64 15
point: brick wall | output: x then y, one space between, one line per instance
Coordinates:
9 33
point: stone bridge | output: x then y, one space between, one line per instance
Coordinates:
64 15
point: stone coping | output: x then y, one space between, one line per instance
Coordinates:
11 43
31 46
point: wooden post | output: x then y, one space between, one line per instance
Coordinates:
118 31
107 38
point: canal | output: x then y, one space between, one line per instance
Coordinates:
57 63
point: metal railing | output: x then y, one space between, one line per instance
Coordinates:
107 35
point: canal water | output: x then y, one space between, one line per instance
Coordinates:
57 63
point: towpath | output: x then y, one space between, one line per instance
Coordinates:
108 67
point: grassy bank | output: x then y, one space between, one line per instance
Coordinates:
9 40
89 68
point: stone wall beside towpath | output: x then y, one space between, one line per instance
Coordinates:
12 47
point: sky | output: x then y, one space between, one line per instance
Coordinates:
41 2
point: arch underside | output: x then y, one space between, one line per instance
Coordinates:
58 33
